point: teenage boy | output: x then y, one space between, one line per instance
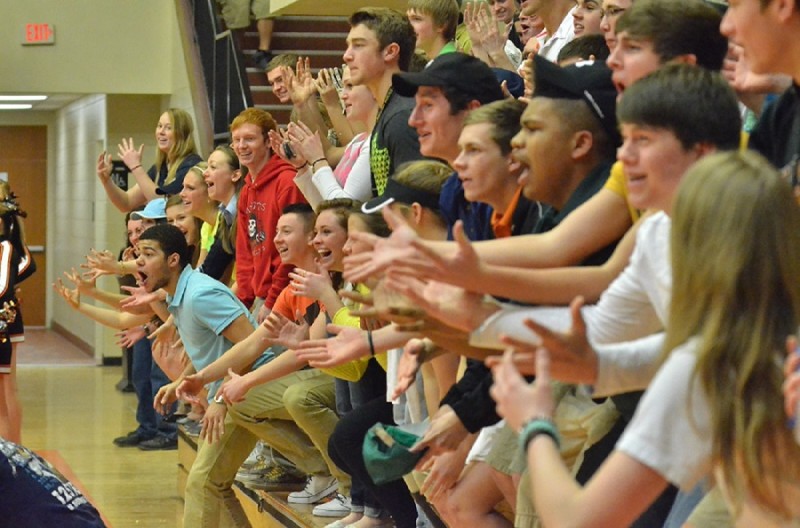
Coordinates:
502 267
566 154
767 30
434 22
445 92
380 43
668 120
210 319
295 413
276 75
269 187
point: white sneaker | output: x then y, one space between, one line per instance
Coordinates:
317 488
338 507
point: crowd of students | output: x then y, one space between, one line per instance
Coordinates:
434 225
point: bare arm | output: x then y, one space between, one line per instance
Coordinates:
616 495
556 285
123 200
600 221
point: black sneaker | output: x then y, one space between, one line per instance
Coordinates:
131 439
261 58
159 443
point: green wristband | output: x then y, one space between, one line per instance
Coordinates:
536 427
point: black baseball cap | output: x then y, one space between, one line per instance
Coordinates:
589 81
463 72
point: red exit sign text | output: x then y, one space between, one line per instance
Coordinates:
37 34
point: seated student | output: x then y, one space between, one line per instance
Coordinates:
434 23
36 494
715 406
665 133
502 267
266 410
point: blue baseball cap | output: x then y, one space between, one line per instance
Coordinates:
155 209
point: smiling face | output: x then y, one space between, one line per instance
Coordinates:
356 224
165 135
543 147
220 177
504 10
759 32
278 83
612 9
363 55
586 18
135 228
482 168
194 192
250 146
358 100
654 161
424 28
178 216
292 240
437 129
329 238
630 60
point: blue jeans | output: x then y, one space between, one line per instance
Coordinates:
147 379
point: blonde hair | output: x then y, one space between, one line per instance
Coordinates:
182 128
735 246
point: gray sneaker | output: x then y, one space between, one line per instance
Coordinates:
275 478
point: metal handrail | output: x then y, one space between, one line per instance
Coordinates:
223 70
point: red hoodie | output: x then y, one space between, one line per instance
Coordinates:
259 272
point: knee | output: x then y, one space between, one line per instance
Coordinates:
295 398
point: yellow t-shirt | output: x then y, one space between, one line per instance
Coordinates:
616 184
355 369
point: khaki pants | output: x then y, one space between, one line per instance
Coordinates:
312 405
210 501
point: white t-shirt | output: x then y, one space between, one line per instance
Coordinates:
671 431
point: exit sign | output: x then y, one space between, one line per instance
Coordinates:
38 34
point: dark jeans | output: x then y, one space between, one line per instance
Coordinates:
351 395
148 378
345 446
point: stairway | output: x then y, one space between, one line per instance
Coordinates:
322 38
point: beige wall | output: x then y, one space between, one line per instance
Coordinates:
102 46
125 61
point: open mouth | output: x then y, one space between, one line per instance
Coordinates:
523 176
141 278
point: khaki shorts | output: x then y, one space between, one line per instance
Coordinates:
236 13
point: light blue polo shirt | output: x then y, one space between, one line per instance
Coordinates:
203 308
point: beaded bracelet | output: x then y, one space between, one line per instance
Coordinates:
535 427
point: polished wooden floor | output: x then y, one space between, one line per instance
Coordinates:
72 407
